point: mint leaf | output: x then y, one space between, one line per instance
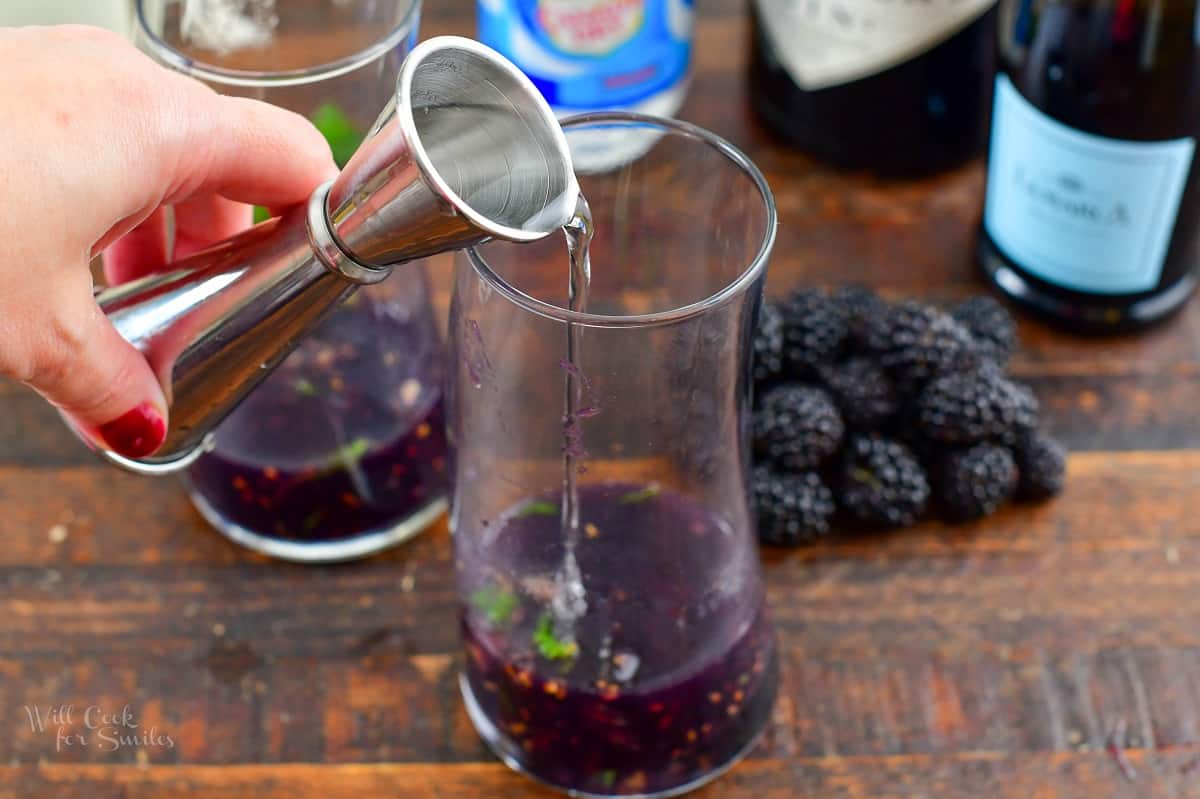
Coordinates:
537 509
495 603
342 134
649 492
261 214
312 520
549 645
304 387
352 453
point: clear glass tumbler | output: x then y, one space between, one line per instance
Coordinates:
341 452
633 657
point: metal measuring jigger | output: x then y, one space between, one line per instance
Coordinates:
467 150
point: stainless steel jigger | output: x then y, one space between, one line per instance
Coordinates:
466 151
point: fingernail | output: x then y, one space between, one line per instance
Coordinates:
137 433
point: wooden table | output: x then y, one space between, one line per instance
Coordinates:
1048 652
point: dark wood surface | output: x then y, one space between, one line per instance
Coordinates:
1049 652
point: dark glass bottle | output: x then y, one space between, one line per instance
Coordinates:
898 88
1093 192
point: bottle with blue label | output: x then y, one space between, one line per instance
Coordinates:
1093 193
588 55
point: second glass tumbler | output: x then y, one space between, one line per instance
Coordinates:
340 452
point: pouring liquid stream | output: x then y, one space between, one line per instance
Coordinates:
570 601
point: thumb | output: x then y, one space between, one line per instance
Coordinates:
100 382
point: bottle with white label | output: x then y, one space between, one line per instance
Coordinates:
895 86
596 55
1093 195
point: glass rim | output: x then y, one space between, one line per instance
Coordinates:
253 78
738 286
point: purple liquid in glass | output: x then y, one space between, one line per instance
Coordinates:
346 437
669 676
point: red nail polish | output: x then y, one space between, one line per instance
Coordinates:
137 433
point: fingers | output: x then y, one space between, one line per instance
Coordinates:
204 221
98 380
105 139
139 252
240 151
107 136
255 153
198 223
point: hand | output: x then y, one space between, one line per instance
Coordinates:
99 141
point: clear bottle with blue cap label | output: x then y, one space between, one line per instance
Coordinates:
587 55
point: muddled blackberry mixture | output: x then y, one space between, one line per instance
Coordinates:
666 676
345 437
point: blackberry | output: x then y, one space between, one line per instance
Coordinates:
1028 414
1042 462
768 345
882 483
864 308
974 406
792 508
863 393
917 342
814 329
991 325
797 427
975 482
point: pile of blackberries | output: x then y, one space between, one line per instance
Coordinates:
885 411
